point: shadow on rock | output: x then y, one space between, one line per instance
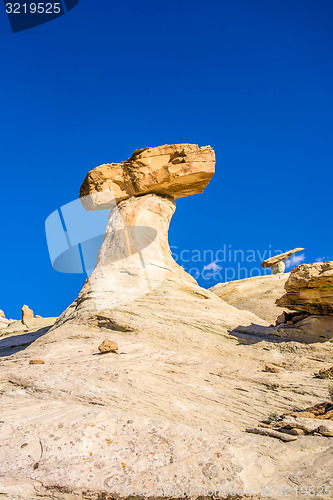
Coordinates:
16 343
312 329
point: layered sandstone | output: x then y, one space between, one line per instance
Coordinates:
310 289
176 170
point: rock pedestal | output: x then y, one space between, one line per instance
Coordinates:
136 283
279 267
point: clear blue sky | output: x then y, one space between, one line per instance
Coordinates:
254 79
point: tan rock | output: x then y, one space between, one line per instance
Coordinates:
271 433
310 288
308 425
278 258
37 316
293 432
319 409
271 368
3 320
325 373
176 170
108 346
27 313
303 414
257 295
13 327
328 415
326 429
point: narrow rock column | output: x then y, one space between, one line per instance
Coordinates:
134 259
279 267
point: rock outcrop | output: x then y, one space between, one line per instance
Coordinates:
310 289
257 295
176 170
309 294
3 320
27 313
277 262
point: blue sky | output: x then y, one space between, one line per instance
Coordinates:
252 79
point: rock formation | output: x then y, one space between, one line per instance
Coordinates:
3 320
176 170
310 289
257 295
135 265
277 262
27 313
166 416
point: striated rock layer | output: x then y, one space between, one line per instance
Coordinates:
176 170
310 288
168 410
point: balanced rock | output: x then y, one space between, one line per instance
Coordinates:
135 270
27 313
310 289
277 261
176 170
